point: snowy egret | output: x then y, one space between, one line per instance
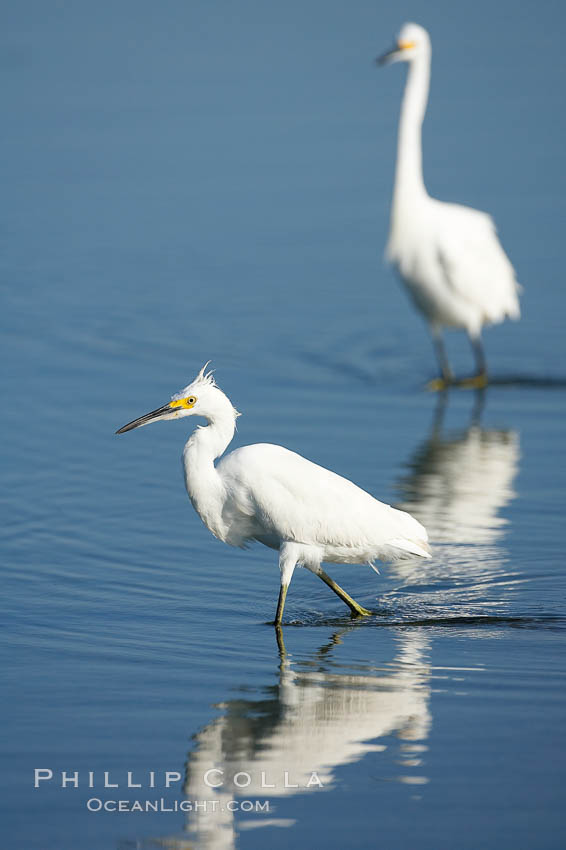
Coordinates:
269 494
447 255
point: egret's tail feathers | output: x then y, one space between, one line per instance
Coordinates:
514 310
412 547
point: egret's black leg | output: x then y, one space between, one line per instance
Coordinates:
288 554
281 604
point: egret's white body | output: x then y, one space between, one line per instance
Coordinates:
269 494
448 255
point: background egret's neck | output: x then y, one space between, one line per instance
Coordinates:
409 183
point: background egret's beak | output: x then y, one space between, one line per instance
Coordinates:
161 413
388 57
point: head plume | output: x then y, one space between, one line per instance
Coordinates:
202 383
204 377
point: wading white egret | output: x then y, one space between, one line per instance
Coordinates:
270 494
448 255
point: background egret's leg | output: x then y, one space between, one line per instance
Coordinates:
357 610
288 554
442 357
479 380
446 376
479 354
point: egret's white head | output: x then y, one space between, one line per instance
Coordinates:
202 397
413 41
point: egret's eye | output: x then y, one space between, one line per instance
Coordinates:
184 402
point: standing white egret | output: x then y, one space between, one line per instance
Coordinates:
270 494
447 255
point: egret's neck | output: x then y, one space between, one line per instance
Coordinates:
409 183
204 484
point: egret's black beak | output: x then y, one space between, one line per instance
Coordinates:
145 420
388 57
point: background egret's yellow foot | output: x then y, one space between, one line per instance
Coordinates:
476 382
438 385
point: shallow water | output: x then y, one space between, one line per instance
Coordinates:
184 183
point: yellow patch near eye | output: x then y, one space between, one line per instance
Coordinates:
405 45
187 403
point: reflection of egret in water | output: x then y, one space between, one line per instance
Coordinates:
296 734
457 483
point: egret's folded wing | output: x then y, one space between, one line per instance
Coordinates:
297 500
473 263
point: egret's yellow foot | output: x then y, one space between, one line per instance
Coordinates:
359 610
476 382
439 385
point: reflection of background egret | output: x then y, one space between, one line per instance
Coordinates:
270 494
310 721
458 481
448 255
